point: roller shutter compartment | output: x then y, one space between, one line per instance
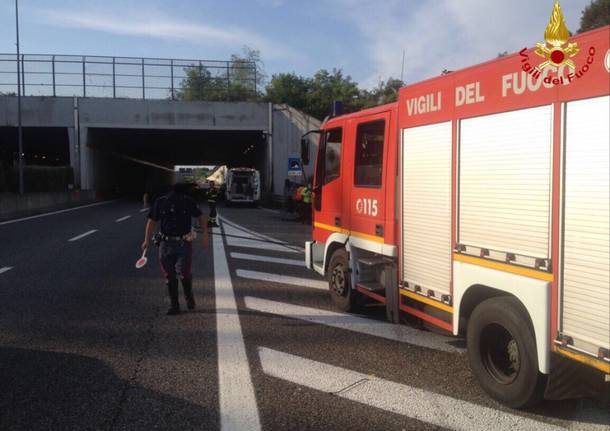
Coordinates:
585 281
505 181
426 207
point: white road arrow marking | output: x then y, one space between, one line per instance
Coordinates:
416 403
5 269
350 322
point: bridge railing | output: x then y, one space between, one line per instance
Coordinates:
127 77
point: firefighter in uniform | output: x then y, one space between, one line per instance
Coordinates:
306 203
212 197
174 212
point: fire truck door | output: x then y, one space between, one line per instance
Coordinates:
368 191
327 200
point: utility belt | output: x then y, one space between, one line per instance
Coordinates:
159 237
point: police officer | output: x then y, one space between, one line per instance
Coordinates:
212 197
174 212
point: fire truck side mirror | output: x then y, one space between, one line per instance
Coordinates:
305 150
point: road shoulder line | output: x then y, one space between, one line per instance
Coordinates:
56 212
238 408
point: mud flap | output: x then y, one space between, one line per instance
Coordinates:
570 379
392 294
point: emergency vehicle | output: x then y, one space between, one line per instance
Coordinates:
479 204
243 185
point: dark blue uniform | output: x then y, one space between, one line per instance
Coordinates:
174 211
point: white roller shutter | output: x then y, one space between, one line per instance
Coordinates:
505 181
586 233
427 207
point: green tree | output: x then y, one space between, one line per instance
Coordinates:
243 81
385 92
199 84
327 87
596 14
288 88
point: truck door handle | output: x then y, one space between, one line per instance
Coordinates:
337 221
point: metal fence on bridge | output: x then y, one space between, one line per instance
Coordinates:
126 77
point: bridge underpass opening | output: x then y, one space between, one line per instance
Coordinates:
45 149
122 159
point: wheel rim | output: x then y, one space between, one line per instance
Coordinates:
338 282
500 353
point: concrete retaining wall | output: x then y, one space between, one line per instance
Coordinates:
289 125
13 205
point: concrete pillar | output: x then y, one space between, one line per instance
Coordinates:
74 159
86 161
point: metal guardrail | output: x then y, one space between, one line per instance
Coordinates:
121 77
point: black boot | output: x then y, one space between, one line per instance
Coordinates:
188 293
172 289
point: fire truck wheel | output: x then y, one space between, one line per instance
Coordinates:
339 283
502 352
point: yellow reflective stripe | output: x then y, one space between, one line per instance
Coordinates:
519 270
426 300
585 359
330 228
348 232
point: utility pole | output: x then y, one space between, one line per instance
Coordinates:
402 69
19 129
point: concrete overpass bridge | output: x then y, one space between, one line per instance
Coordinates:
91 135
99 114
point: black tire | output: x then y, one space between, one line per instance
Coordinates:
502 352
339 283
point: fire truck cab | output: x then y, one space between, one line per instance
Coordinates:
479 204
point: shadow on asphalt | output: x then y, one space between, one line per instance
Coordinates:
42 390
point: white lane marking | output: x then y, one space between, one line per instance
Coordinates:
284 279
56 212
350 322
239 238
5 269
76 238
440 410
258 258
260 235
123 218
269 210
238 409
144 210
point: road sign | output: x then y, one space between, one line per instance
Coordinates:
294 167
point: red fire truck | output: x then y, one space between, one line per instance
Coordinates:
479 204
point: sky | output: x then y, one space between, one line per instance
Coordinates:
364 38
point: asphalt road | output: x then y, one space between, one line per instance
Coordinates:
85 342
